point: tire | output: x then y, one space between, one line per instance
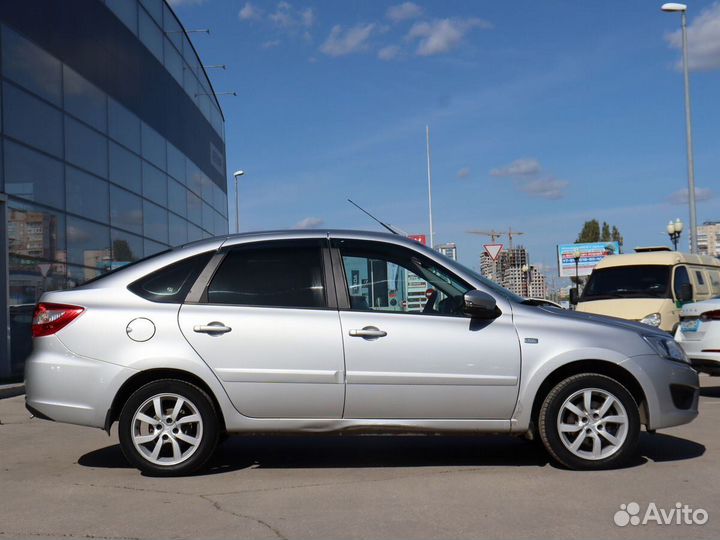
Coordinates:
174 442
603 444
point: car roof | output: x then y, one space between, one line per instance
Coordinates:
666 258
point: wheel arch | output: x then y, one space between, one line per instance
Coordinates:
144 377
603 367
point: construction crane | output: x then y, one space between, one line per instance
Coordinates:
493 234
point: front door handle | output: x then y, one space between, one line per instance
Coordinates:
211 328
369 332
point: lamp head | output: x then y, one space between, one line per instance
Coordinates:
673 7
670 227
678 225
238 173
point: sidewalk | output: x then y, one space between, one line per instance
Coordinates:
11 390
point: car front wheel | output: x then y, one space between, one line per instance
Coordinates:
168 428
590 421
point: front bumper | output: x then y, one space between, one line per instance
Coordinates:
672 389
64 387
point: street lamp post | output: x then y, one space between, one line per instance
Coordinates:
674 228
674 7
237 175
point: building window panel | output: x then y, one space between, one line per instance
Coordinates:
155 222
153 147
177 198
154 184
194 233
155 9
88 243
33 176
85 147
151 248
178 230
176 164
124 126
35 232
125 168
87 195
126 11
208 217
32 121
150 35
194 208
125 210
172 28
173 62
126 247
30 66
84 100
194 178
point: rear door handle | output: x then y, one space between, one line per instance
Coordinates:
370 332
211 328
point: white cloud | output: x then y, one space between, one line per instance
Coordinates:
442 35
391 52
681 196
352 40
703 36
403 12
519 167
286 16
547 188
270 44
464 172
309 223
249 12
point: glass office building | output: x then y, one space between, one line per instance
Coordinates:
112 148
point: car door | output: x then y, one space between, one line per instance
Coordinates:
267 324
410 351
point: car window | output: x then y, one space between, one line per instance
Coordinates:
280 275
388 278
715 281
699 277
681 278
171 283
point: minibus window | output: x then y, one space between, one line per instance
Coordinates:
642 281
681 278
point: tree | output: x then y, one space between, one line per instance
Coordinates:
122 251
592 231
605 234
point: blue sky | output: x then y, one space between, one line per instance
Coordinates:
542 114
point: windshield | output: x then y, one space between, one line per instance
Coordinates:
645 281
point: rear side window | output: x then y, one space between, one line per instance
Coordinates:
172 283
681 278
284 275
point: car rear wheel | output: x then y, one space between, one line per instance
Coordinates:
590 421
168 428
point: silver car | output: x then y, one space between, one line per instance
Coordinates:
341 331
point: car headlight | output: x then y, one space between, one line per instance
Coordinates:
654 319
667 347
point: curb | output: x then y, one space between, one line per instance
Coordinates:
11 390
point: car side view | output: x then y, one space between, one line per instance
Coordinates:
341 331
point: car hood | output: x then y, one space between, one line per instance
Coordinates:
632 309
698 308
605 320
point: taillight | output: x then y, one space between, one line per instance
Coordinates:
711 315
50 318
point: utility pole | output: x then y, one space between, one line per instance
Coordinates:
429 176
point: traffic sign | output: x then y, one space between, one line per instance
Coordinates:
493 250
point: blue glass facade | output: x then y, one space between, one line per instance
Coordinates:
112 148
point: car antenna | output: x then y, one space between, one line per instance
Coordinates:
388 227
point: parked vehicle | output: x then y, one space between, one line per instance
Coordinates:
699 335
298 331
650 286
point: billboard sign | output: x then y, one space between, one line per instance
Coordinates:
589 255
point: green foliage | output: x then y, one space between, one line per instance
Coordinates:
592 231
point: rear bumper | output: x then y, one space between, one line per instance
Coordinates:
672 389
64 387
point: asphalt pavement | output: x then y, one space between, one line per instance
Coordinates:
66 481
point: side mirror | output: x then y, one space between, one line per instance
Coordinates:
685 294
480 304
574 297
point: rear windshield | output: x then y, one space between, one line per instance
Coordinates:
644 281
